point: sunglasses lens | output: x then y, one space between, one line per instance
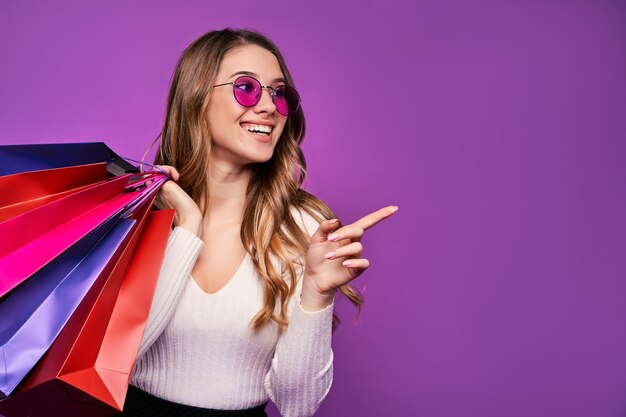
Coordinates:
286 100
247 91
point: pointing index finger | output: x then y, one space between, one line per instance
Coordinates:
375 217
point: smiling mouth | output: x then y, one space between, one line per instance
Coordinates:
259 136
258 129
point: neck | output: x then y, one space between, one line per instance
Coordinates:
227 191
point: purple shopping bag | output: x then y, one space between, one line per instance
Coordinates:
40 307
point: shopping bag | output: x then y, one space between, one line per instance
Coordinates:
23 158
42 306
39 235
29 190
87 369
46 227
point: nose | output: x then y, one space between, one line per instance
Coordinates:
265 104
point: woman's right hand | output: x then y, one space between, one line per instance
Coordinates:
171 196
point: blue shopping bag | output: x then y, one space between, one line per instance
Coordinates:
23 158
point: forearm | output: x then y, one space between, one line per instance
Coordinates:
302 368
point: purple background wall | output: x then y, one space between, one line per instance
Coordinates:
498 128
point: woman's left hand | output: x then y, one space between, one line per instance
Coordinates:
334 257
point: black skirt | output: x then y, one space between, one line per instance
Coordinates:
141 404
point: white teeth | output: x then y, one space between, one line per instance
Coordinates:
258 128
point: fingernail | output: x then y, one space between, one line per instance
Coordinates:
346 263
333 221
333 236
329 255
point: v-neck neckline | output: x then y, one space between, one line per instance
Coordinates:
228 283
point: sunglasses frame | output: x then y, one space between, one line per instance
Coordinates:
271 89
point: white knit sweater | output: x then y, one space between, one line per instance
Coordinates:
198 349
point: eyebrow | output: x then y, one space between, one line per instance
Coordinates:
252 74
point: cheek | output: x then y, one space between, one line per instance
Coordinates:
223 112
280 129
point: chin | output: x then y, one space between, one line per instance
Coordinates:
264 159
257 158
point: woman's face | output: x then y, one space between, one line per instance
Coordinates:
228 120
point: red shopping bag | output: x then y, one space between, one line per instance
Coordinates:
40 235
29 190
87 369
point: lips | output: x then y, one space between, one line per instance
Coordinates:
260 122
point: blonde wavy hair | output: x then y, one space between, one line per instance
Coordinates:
268 226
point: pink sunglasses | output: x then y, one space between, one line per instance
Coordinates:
247 91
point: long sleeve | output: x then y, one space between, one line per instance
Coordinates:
183 248
301 371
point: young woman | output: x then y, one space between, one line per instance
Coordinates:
243 311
